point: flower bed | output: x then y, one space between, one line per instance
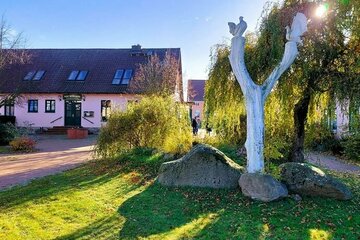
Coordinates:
23 144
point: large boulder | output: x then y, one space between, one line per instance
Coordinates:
305 179
262 187
203 166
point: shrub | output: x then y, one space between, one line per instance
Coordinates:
351 146
7 133
154 122
319 138
276 148
23 144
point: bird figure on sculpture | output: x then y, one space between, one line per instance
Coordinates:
298 27
239 29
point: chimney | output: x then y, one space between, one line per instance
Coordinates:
136 48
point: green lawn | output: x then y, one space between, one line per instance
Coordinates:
119 200
4 149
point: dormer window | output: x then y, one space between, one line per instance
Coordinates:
77 75
34 75
122 77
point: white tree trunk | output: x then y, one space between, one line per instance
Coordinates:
255 130
255 96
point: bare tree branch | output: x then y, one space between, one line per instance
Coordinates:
161 77
10 53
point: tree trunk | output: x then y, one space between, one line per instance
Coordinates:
255 131
300 117
255 96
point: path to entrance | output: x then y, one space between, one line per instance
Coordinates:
331 162
56 154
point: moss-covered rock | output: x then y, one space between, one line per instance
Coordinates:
203 166
305 179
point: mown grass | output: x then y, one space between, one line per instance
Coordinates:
4 149
119 199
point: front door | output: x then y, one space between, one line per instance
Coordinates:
72 113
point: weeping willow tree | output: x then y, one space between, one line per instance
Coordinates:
223 98
328 68
325 65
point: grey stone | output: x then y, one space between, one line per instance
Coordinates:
305 179
203 166
262 187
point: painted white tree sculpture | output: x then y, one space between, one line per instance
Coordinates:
255 95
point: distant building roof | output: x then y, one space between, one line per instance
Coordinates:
101 64
196 90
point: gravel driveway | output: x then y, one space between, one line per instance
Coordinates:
56 154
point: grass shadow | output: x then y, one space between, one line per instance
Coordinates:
161 210
103 228
176 213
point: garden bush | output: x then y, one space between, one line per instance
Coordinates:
23 144
154 122
7 133
319 138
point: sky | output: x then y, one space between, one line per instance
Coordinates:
192 25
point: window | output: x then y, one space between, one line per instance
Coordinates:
78 75
9 108
49 106
82 75
105 110
33 106
39 74
127 77
34 75
73 75
122 77
29 75
118 76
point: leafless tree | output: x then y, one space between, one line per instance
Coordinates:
11 52
159 76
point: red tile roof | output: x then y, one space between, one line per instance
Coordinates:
58 63
196 89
